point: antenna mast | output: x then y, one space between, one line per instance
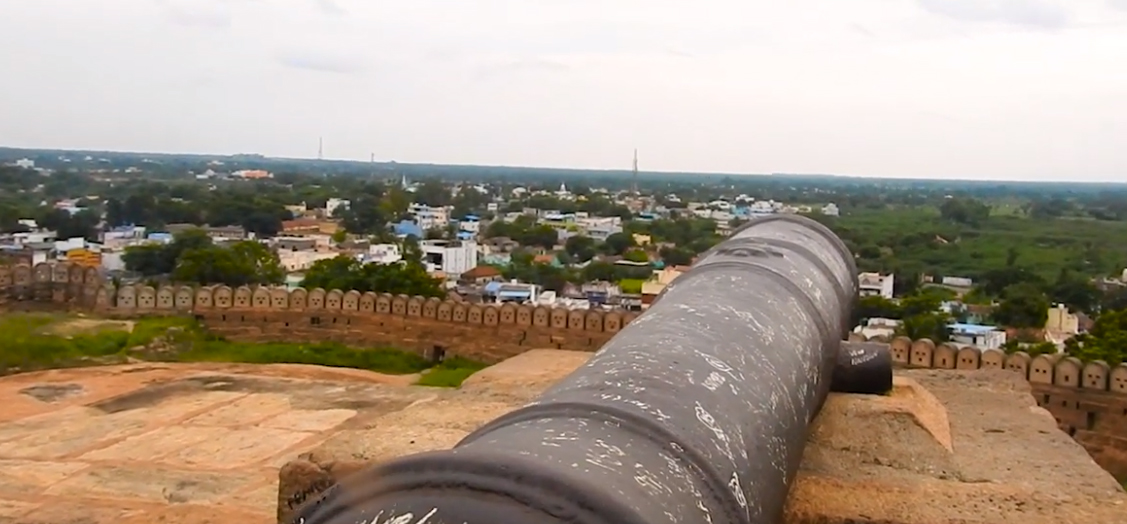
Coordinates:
320 148
634 181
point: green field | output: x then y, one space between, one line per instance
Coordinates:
918 239
44 341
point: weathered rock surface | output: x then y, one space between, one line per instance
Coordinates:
208 444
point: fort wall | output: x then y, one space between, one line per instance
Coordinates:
1088 400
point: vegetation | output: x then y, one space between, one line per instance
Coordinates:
450 373
1106 341
44 341
192 257
347 273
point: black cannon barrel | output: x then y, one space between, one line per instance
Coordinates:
696 412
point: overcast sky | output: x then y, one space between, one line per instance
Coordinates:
1005 89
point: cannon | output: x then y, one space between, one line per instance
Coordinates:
697 411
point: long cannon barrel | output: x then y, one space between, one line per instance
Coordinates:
696 412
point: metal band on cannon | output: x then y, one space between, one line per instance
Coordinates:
696 412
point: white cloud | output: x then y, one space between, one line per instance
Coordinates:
990 88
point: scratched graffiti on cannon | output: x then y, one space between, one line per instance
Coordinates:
695 412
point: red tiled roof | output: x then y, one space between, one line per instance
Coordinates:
482 272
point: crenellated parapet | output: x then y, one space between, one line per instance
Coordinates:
279 311
1055 370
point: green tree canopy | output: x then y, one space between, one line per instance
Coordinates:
347 273
1022 306
1106 341
242 264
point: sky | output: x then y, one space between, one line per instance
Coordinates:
987 89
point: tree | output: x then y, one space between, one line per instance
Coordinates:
157 259
932 326
676 256
1075 291
1022 306
365 215
580 247
636 255
347 273
1106 341
967 211
543 235
242 264
618 243
875 306
412 252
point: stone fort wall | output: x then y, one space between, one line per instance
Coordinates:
1088 400
428 325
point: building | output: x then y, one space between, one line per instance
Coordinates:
518 292
295 243
599 228
481 275
301 226
383 254
1062 321
252 174
957 282
831 210
600 293
452 257
334 206
470 224
875 284
297 261
984 337
408 228
658 281
429 217
297 210
878 327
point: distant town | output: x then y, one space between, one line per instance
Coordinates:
1014 267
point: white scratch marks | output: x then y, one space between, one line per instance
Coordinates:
713 381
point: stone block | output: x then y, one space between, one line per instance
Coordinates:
237 448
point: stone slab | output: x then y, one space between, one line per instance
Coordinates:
176 408
156 444
10 510
237 448
26 477
146 483
70 437
309 420
82 511
248 410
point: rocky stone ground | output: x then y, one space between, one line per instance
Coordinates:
204 443
186 444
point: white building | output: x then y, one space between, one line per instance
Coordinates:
470 224
599 228
830 210
870 284
25 163
984 337
429 217
878 327
452 257
335 205
384 254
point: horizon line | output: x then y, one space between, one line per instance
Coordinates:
626 171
